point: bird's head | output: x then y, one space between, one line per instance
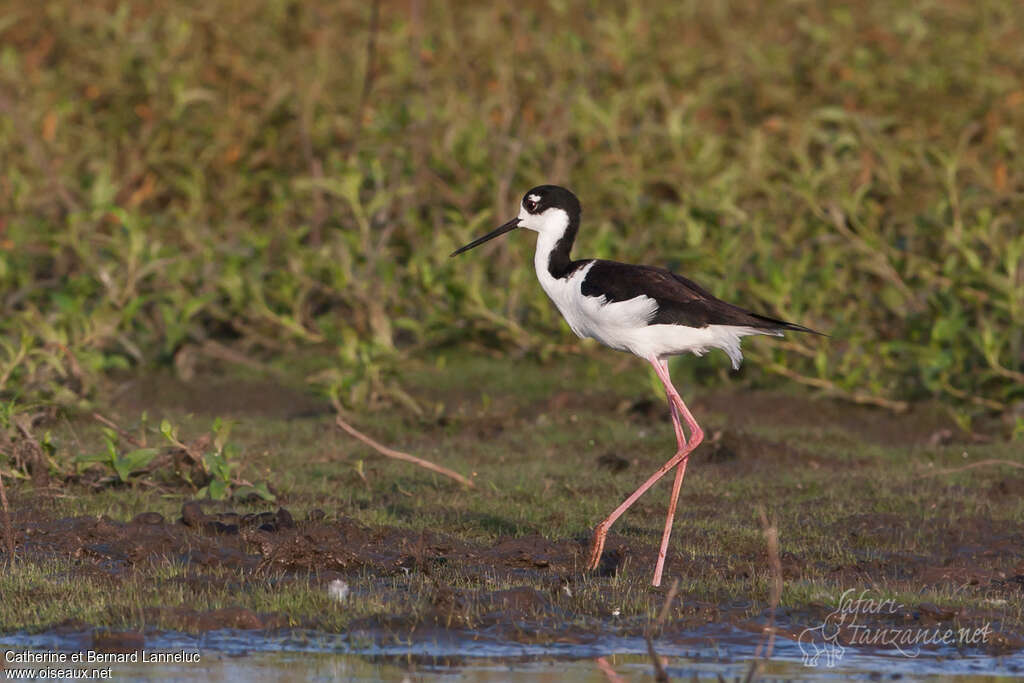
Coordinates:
546 209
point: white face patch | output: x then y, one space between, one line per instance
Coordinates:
552 222
534 197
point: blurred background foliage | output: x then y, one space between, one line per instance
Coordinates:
275 181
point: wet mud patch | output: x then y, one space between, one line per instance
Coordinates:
504 560
273 542
517 589
197 621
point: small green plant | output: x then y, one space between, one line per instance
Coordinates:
122 465
219 462
215 461
207 465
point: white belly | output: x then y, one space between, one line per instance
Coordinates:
623 325
590 316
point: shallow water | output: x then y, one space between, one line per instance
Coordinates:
718 650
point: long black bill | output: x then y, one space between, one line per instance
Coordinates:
511 225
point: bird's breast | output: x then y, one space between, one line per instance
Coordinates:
612 323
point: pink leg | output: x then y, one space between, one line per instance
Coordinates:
608 671
683 451
676 486
696 437
677 425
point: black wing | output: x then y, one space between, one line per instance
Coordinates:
680 301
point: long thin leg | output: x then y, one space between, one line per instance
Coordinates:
676 486
677 425
696 436
662 369
680 470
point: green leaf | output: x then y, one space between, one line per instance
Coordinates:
230 451
218 489
83 461
123 471
218 466
258 489
139 458
167 430
92 457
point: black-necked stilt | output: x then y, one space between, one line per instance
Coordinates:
650 312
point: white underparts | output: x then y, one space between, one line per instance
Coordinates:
661 341
623 325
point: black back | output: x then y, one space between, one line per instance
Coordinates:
680 301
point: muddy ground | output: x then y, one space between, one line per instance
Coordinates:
275 547
861 499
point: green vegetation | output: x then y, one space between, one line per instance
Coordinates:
205 465
190 180
856 507
197 190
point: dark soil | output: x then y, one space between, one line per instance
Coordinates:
273 545
954 539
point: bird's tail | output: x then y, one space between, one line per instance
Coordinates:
775 324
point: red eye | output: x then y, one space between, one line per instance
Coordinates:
531 205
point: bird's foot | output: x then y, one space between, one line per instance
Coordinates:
596 547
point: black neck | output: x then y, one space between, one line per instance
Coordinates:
559 263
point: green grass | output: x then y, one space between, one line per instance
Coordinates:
191 186
852 511
181 177
44 594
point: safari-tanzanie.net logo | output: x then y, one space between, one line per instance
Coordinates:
855 623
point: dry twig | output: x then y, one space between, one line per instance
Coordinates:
113 425
399 455
830 387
